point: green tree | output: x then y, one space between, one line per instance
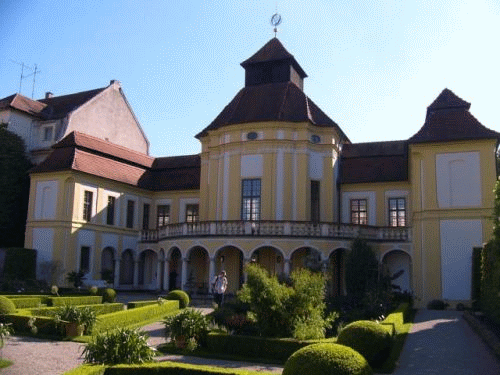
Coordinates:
14 188
361 270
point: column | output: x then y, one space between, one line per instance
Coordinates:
159 269
211 272
166 275
116 276
286 266
136 273
184 273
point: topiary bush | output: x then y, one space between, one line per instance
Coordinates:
6 306
326 358
122 345
369 338
109 295
181 296
188 327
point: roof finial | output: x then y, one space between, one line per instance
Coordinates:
275 21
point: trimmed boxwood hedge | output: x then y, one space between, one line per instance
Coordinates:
26 303
128 317
134 304
74 301
50 311
44 324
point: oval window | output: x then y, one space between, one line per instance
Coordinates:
315 138
251 136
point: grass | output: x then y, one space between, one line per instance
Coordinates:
5 363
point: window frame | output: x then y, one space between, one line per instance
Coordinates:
162 215
195 213
111 210
146 210
130 214
315 201
88 203
251 203
358 220
397 211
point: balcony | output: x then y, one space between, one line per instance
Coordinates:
290 229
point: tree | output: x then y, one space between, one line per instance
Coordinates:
361 270
14 188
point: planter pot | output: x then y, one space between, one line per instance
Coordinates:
180 342
74 329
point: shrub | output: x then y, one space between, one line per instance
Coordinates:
189 325
5 332
369 338
179 295
85 316
319 359
109 295
120 346
361 269
93 290
437 304
6 306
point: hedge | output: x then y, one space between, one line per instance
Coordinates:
26 303
50 311
74 301
277 349
128 317
397 318
161 368
134 304
45 325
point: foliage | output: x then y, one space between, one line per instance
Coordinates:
14 188
76 278
179 295
282 310
85 316
6 306
437 304
361 269
5 332
319 359
476 277
369 338
119 346
109 295
19 263
76 300
93 290
189 325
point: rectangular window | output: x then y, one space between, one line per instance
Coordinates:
85 259
359 211
250 199
87 205
397 212
315 201
130 213
145 217
47 133
192 213
162 215
110 217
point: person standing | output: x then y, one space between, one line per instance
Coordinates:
219 287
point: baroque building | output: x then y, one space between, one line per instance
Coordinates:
277 182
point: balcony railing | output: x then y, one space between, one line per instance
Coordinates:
276 229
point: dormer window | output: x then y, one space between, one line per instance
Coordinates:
48 133
315 138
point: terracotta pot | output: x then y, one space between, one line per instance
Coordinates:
180 342
74 329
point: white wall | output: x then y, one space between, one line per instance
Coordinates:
46 200
43 243
458 238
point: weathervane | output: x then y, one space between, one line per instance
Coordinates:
275 21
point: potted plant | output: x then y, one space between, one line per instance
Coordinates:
76 278
76 320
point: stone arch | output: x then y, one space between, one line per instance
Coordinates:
395 261
198 263
230 259
270 258
127 267
306 257
147 267
336 272
174 257
108 264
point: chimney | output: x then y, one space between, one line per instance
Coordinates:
48 95
114 81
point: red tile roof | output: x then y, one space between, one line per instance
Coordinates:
271 102
448 119
24 104
374 162
83 153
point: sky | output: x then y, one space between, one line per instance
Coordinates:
373 66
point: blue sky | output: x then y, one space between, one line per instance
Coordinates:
373 66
